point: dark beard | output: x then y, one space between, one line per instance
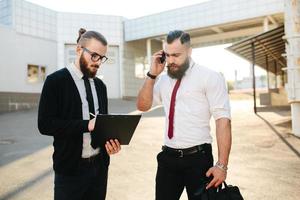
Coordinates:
84 68
180 72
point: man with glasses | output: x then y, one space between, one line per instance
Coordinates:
190 95
70 99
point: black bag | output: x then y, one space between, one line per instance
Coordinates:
228 192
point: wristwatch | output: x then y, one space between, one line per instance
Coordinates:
151 76
221 166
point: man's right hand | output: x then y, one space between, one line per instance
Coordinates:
157 67
91 124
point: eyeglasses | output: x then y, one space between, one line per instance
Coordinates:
95 57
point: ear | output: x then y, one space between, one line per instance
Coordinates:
78 50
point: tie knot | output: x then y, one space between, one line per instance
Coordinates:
85 78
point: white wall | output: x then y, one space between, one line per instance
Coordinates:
109 72
16 52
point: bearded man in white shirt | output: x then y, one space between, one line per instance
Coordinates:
190 95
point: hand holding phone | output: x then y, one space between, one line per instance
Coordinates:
158 63
163 57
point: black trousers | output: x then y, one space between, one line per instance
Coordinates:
89 183
174 173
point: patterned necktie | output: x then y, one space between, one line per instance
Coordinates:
89 95
172 109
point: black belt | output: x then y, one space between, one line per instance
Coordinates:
187 151
90 160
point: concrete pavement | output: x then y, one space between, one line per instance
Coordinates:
264 161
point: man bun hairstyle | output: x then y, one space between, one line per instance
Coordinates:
84 36
80 32
181 35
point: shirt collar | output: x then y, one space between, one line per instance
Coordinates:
192 64
78 74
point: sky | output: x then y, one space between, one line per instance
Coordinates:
214 57
221 60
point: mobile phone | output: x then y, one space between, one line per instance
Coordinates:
163 57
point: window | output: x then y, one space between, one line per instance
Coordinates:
43 73
111 57
141 67
36 73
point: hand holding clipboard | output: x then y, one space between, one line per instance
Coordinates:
111 146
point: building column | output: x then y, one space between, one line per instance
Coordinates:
275 72
267 68
292 35
253 77
149 55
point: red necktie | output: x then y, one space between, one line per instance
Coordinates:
172 109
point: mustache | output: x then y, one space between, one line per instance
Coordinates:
96 66
172 65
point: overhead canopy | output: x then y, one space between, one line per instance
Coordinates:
267 46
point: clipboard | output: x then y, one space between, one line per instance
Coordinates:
115 126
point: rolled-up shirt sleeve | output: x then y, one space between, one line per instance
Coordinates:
217 96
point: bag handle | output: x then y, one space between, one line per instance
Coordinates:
221 185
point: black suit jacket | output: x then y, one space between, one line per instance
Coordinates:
60 116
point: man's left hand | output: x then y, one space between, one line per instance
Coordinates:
112 146
218 174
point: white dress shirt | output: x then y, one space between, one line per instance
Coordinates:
87 149
201 94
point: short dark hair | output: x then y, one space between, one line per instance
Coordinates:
84 36
181 35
